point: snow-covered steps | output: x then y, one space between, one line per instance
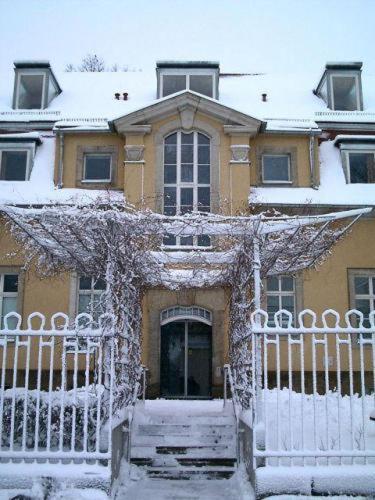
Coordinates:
184 440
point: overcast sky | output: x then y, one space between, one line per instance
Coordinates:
244 35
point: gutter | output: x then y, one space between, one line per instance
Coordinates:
60 168
312 160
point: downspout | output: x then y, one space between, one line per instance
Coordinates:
312 160
60 169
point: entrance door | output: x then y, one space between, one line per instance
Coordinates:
185 369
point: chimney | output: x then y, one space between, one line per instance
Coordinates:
125 95
117 96
264 97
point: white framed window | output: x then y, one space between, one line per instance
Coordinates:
187 180
97 167
89 296
345 91
280 294
16 161
362 292
30 90
276 169
198 80
8 296
360 166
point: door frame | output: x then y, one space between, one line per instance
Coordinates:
186 314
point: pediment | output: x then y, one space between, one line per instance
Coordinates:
186 105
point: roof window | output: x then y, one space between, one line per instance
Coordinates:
199 76
35 85
341 87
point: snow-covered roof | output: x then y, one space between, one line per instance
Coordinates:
87 96
333 189
40 189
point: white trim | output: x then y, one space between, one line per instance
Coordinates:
347 74
194 185
95 181
33 73
347 152
180 313
265 181
187 72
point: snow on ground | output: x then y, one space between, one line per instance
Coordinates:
333 189
281 433
133 484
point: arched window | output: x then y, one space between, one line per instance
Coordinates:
186 179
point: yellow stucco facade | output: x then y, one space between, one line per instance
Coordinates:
325 287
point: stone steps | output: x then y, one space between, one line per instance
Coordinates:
184 445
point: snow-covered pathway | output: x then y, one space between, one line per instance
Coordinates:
138 487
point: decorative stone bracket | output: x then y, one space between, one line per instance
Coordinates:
240 153
134 154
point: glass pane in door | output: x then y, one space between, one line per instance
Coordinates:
172 367
199 359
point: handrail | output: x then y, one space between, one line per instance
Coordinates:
136 394
228 376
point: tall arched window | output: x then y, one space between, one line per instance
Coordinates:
186 179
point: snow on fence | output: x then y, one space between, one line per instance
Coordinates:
314 388
56 391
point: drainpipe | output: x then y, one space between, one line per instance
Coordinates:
60 169
312 160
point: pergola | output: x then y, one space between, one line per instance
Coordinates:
124 247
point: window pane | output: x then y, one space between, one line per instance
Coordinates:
170 174
361 285
30 92
170 153
361 167
201 84
85 283
187 173
169 196
272 305
13 165
204 240
203 140
276 168
203 197
9 305
11 283
187 138
169 240
273 284
344 93
187 241
100 285
173 83
187 153
97 167
187 196
363 306
287 302
171 139
203 174
203 154
287 283
84 304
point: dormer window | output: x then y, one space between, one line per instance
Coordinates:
201 77
340 86
358 157
35 85
17 153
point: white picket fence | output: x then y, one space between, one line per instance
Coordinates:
56 392
313 388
